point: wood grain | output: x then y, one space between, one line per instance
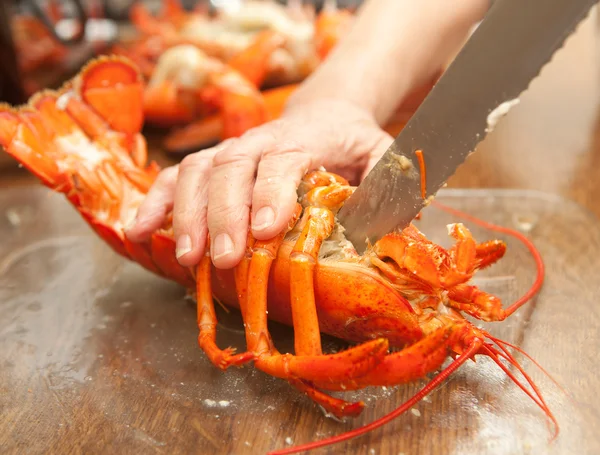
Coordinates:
99 356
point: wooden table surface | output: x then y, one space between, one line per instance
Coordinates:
98 356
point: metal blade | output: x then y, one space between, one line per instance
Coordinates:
504 54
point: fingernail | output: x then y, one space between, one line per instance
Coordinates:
183 246
222 246
263 219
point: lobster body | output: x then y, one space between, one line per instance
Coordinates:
405 292
360 306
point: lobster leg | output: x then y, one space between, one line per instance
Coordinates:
303 259
207 322
311 362
241 276
258 338
337 407
308 363
411 363
475 302
462 254
489 252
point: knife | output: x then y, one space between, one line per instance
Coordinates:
505 53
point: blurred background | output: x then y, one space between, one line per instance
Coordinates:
44 42
273 44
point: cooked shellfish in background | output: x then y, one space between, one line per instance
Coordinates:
120 334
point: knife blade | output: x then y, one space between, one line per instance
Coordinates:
505 53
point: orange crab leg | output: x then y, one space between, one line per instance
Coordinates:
337 407
475 302
207 322
530 246
303 259
332 197
240 273
463 252
489 252
257 334
308 364
409 364
472 349
351 363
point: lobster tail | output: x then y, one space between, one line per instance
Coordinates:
84 140
92 120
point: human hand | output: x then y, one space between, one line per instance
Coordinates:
215 191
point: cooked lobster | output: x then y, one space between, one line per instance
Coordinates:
403 302
206 73
297 41
213 78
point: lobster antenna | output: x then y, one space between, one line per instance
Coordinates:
471 350
493 353
502 344
510 359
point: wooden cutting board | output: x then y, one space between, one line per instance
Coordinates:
100 356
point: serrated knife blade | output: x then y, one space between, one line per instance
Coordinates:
504 54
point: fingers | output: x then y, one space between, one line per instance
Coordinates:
189 209
279 172
230 197
211 192
153 210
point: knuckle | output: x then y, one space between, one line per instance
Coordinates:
289 148
185 217
285 159
270 182
257 131
167 175
252 133
229 156
195 162
270 189
227 216
222 146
